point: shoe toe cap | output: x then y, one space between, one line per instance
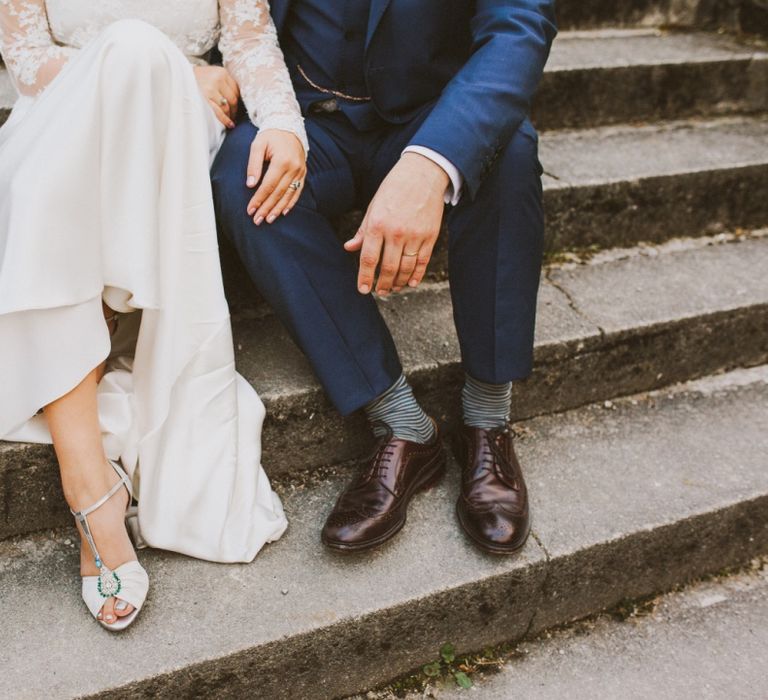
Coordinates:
495 527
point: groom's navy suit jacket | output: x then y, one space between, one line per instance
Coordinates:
477 61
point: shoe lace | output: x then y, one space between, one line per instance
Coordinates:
379 457
494 459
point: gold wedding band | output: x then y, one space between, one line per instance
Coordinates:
410 255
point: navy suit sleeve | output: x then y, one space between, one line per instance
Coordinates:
487 100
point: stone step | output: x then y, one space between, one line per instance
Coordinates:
610 76
622 185
709 640
585 14
629 321
627 501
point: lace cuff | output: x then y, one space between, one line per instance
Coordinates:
252 54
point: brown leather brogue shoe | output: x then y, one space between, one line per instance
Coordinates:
493 504
373 508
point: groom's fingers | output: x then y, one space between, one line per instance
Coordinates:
422 261
369 259
355 243
390 265
407 265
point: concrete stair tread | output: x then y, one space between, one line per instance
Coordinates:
578 305
679 472
630 321
617 48
709 640
610 154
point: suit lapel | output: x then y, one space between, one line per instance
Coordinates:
378 8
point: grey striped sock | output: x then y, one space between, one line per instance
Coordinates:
486 405
398 409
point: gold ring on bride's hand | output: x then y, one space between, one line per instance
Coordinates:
410 255
295 186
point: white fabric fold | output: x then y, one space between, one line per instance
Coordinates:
104 190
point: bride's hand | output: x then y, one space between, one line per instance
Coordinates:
221 90
277 194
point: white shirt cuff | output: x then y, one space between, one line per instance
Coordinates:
453 193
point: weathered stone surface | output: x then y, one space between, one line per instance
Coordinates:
709 641
617 186
611 76
659 468
599 13
627 501
605 329
30 490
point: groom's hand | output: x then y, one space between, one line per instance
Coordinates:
401 226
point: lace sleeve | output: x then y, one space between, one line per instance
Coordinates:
252 55
27 47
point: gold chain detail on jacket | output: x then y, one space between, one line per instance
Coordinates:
327 91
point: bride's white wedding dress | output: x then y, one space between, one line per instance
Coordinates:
104 193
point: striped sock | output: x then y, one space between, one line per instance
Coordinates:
486 405
398 409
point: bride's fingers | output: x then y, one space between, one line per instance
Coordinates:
255 167
230 96
288 199
294 198
234 90
263 200
220 115
270 207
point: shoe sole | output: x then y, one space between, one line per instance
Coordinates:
491 548
430 479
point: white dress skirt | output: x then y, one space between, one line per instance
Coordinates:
105 193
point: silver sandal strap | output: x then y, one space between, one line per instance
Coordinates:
81 515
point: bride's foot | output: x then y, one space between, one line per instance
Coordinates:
107 524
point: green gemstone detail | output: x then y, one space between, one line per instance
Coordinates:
109 584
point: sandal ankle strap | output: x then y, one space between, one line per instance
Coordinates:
124 481
109 581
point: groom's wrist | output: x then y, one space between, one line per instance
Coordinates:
433 176
453 189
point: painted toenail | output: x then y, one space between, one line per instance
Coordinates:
121 605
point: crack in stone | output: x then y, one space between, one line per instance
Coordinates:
543 587
572 302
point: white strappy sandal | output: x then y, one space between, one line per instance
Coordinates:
129 581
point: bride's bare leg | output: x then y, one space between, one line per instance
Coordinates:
86 476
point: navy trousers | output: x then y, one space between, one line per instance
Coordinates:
299 265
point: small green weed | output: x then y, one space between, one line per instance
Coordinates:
447 665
